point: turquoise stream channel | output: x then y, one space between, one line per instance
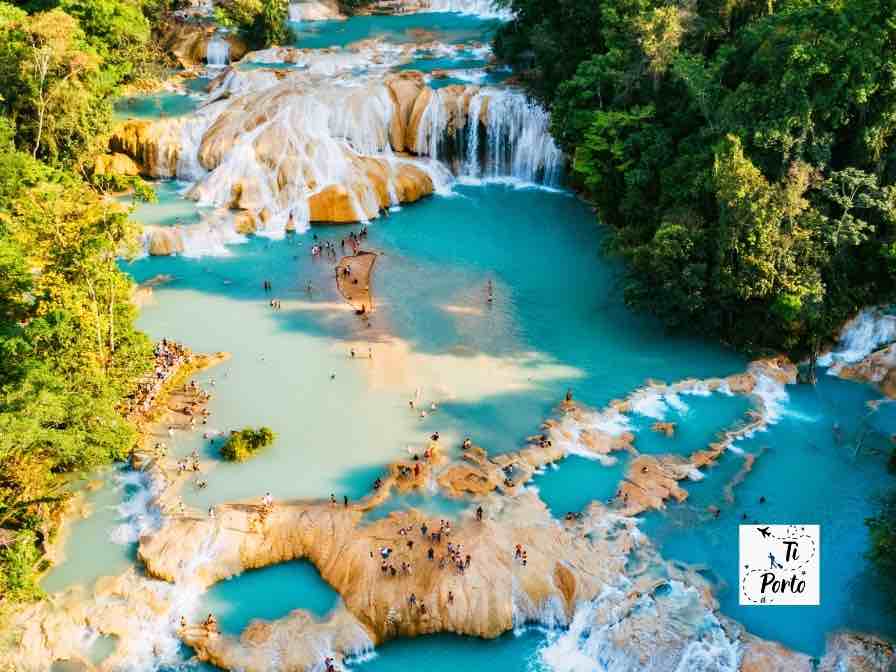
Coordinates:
496 371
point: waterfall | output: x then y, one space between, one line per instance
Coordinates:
517 140
671 628
502 135
295 12
217 52
483 8
287 144
871 329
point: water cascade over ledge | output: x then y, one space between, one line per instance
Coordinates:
275 151
217 52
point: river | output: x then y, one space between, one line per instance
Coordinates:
495 370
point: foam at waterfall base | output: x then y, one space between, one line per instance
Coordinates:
671 629
487 9
511 141
871 329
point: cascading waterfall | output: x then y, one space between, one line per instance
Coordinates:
217 52
871 329
502 135
295 12
315 137
672 626
517 142
483 8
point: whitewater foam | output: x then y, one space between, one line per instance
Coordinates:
868 331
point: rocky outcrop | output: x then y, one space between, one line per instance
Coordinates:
405 89
153 146
161 241
296 642
115 164
188 42
857 652
315 10
488 597
878 368
245 223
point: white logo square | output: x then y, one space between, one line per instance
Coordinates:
779 565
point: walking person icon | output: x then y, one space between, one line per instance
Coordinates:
773 564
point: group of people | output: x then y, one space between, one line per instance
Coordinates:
520 554
168 358
189 465
326 248
329 249
194 408
354 240
454 554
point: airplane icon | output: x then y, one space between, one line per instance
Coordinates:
764 531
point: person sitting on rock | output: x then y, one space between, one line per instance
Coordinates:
467 443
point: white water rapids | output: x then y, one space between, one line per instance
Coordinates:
267 142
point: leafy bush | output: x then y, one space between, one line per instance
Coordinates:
18 561
243 444
261 22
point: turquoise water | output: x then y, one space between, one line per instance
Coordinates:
702 423
496 371
155 105
447 28
450 653
500 370
269 594
806 476
83 564
170 210
574 483
430 63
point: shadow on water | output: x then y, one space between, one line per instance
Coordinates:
429 284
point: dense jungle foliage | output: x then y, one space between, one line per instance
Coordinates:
69 352
742 154
260 22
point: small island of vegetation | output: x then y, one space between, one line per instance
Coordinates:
244 443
